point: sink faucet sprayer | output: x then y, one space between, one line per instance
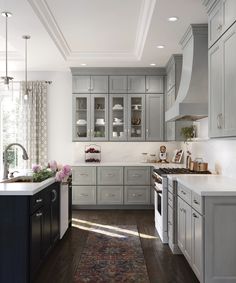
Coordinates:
5 163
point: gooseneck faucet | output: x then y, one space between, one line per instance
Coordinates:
5 161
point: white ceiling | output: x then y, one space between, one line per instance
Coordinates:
100 33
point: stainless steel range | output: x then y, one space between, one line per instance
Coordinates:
160 185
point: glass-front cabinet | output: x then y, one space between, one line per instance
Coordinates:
99 117
90 117
118 117
136 117
81 117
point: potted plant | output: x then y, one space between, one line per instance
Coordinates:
188 133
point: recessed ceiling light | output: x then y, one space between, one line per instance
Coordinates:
152 64
173 19
160 46
83 64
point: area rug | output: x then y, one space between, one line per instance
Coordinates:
112 254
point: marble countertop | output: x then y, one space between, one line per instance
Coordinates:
125 163
24 189
208 185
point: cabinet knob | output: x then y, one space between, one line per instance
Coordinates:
39 214
196 202
194 215
219 28
183 192
39 200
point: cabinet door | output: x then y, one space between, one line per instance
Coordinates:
99 84
118 117
46 232
137 195
197 244
170 80
170 131
136 84
170 98
84 175
99 117
81 84
154 84
228 121
36 223
215 91
118 84
154 117
136 117
229 13
83 195
137 175
215 24
81 117
55 212
181 225
110 175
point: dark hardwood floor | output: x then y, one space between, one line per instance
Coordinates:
162 265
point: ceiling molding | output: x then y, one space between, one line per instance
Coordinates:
45 15
144 22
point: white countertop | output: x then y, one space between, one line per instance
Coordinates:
209 185
24 189
125 163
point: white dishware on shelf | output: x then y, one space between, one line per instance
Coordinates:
117 107
136 106
100 121
81 122
115 134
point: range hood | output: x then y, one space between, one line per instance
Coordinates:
192 99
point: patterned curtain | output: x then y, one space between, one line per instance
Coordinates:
33 122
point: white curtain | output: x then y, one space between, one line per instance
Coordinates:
32 122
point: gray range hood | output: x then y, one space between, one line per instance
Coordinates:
192 100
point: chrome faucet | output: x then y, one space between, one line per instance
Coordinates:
5 162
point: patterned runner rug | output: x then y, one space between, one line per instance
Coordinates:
112 254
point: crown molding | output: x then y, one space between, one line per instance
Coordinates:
45 15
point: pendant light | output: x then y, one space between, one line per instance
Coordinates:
26 37
6 79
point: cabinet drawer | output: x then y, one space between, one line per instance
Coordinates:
84 175
83 195
170 224
110 194
197 203
37 201
184 193
170 199
137 176
137 195
110 175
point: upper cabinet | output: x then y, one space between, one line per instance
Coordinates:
222 14
90 84
136 84
154 84
118 84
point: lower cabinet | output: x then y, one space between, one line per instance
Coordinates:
110 195
84 195
137 195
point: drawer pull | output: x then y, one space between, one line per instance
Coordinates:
136 175
39 200
196 202
183 192
110 175
83 174
194 215
137 195
183 210
110 195
83 195
39 214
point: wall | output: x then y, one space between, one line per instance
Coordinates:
219 153
60 146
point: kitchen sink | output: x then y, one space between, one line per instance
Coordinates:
19 179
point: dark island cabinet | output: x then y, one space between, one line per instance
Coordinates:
29 230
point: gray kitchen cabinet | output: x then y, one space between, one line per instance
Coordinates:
109 175
154 84
90 84
222 14
154 117
81 117
99 117
109 195
118 84
136 117
222 85
170 98
197 244
137 175
185 229
81 84
83 175
118 128
136 84
83 195
137 195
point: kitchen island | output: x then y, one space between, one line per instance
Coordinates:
29 221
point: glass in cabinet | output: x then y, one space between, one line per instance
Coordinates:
118 117
81 118
99 117
136 116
